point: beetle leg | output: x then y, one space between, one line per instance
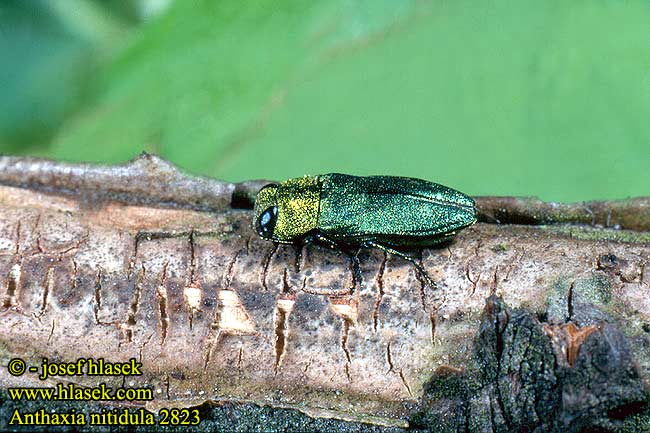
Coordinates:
405 256
357 278
324 240
298 248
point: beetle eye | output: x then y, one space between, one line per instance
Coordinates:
266 222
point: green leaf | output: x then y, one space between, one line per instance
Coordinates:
529 98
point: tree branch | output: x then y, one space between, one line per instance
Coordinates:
143 261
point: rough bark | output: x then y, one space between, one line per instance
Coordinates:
534 327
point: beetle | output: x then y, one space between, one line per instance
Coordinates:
347 213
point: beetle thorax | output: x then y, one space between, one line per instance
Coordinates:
298 203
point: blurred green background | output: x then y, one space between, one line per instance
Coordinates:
498 97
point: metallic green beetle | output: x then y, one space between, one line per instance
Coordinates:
350 212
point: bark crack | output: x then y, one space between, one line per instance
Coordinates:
642 272
49 338
405 383
239 358
192 258
495 280
71 248
389 359
307 365
161 293
48 285
12 284
75 273
97 298
570 302
283 308
135 304
281 331
228 275
473 281
17 245
213 341
511 265
247 244
347 323
141 349
392 369
380 291
432 320
36 230
499 351
132 259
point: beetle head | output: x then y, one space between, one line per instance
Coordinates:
266 211
285 212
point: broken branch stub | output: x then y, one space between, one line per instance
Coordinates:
215 313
